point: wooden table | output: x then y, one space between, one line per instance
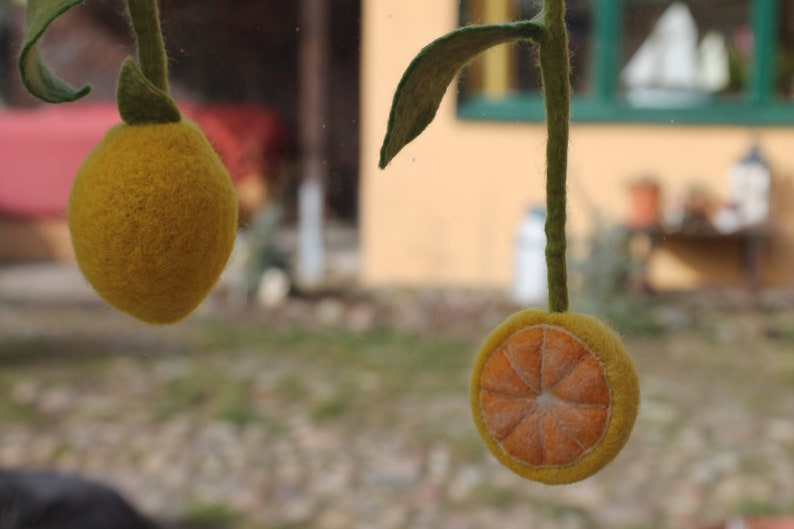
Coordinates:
750 241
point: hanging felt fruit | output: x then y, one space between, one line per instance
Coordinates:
152 212
553 394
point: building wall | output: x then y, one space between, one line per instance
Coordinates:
445 211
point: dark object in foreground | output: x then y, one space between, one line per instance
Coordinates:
48 500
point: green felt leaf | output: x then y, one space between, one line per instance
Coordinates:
140 102
34 74
424 83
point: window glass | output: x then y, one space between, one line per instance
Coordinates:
579 20
511 69
784 80
685 53
693 61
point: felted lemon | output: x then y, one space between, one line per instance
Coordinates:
153 216
554 395
152 211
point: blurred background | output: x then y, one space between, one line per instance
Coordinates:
324 382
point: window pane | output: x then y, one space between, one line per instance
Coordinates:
785 60
685 53
578 16
512 69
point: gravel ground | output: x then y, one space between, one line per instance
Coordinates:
89 390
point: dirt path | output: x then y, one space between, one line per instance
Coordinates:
323 415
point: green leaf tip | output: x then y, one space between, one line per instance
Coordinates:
426 79
142 91
140 102
36 77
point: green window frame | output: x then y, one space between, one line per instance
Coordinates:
757 106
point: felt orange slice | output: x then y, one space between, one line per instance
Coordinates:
554 395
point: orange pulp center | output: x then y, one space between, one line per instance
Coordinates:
544 397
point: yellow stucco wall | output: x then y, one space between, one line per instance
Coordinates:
445 210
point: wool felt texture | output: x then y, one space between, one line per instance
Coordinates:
555 70
33 73
554 395
422 86
145 21
152 211
140 102
153 217
142 92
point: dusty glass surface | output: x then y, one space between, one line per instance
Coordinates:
346 408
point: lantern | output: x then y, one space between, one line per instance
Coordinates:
749 188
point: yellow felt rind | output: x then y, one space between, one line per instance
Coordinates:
153 217
621 378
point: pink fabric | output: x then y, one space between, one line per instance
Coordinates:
42 149
40 152
248 138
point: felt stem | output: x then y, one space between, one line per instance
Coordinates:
145 20
142 93
555 68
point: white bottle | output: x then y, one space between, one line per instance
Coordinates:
529 274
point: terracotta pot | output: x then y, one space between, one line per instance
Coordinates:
645 205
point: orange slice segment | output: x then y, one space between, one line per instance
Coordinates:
552 364
554 395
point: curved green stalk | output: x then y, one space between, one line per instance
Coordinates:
142 92
424 83
555 68
145 23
